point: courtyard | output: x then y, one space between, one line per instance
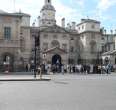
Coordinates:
63 92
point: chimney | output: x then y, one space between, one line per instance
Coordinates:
73 27
68 26
63 22
38 20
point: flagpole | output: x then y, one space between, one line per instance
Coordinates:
14 5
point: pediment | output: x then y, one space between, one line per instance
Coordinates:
55 50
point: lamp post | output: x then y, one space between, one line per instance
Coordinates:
34 59
8 60
35 52
100 54
36 45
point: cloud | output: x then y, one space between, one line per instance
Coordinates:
63 11
79 3
6 5
72 10
33 8
103 5
100 12
69 12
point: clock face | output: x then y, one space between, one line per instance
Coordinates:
49 14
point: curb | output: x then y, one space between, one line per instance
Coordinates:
25 79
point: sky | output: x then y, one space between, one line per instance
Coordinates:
71 10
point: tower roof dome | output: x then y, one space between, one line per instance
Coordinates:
48 7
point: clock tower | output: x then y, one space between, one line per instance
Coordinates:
47 14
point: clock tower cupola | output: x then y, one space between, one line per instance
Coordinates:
47 14
47 2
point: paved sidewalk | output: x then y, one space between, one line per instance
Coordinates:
63 92
15 77
23 78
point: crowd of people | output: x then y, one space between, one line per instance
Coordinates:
79 68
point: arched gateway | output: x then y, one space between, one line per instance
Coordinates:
56 63
56 60
7 61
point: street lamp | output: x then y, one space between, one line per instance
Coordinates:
36 45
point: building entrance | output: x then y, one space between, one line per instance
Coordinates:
7 62
56 63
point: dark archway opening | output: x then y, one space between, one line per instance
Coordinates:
56 59
7 62
56 63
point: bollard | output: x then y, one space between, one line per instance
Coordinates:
40 74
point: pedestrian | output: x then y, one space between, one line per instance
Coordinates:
88 68
26 67
39 71
73 68
48 69
91 68
108 68
62 69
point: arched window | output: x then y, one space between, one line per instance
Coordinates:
93 47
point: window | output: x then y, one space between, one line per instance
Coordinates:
7 33
72 38
22 44
93 47
45 36
82 26
114 46
103 49
82 36
115 60
72 49
102 38
93 26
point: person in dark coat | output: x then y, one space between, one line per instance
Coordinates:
88 68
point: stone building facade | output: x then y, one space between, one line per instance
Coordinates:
109 46
80 42
14 40
67 44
